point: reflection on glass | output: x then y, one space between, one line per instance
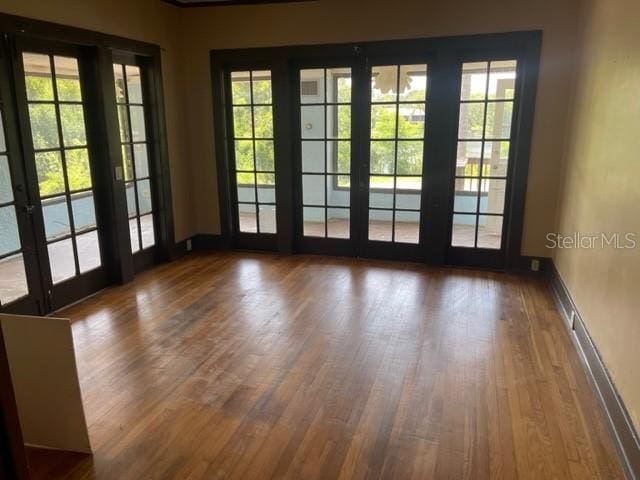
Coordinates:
312 121
264 155
131 199
84 212
118 76
313 190
13 279
410 157
10 239
56 217
134 84
6 189
143 188
37 71
88 251
138 129
67 79
50 175
73 131
261 87
142 160
61 260
407 227
247 218
44 126
133 235
338 223
490 231
463 231
313 222
78 169
148 231
240 88
502 80
267 218
380 225
474 81
471 120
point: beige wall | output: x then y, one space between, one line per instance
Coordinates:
146 20
329 21
601 189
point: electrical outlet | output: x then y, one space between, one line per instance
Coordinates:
535 265
189 245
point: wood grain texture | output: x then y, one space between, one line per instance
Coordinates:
241 365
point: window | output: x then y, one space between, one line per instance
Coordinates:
56 114
135 155
484 139
398 103
325 127
254 151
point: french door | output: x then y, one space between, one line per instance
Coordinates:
325 163
359 160
408 150
138 147
20 289
52 107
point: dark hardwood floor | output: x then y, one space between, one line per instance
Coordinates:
251 366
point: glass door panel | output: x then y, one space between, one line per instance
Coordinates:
325 152
135 146
13 274
483 152
54 100
396 153
254 175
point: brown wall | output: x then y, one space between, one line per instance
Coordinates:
146 20
327 21
601 190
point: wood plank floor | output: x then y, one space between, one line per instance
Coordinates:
251 366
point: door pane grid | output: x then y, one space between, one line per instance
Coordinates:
13 279
254 155
398 106
484 134
135 155
325 131
56 114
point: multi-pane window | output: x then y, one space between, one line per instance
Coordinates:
56 115
484 134
135 155
254 151
13 279
398 103
325 131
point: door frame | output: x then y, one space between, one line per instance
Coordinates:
448 52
